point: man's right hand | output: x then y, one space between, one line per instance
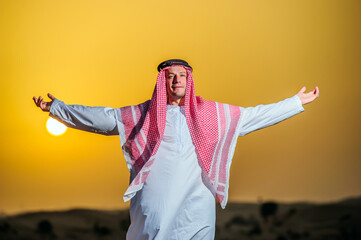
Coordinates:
45 106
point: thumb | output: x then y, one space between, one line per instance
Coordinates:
51 96
303 89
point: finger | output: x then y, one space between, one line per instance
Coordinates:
35 100
51 97
313 92
303 89
317 91
41 103
38 101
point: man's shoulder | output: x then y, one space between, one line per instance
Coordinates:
200 100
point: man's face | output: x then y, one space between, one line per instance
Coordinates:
176 78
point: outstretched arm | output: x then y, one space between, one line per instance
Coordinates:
261 116
100 120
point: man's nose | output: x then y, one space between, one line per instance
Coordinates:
175 79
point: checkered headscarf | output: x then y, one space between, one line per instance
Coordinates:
212 126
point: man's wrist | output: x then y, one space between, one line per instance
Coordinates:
299 102
53 106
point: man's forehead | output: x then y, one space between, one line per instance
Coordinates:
176 69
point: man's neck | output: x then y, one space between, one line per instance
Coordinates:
176 102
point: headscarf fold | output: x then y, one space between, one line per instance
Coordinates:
213 128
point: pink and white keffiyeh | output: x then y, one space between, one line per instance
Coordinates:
212 125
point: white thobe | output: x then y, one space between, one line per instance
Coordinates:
176 201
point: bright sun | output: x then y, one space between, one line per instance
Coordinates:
55 127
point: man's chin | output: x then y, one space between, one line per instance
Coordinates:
178 96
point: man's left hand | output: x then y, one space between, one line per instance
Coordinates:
308 97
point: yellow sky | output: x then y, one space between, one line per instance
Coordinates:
105 53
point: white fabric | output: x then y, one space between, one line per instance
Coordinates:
173 195
187 209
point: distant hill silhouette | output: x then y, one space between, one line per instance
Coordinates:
256 221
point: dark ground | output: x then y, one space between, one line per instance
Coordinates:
256 221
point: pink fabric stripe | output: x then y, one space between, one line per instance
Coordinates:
127 119
220 198
222 120
222 178
220 188
145 175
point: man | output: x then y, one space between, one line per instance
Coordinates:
178 148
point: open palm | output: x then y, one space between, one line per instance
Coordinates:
45 106
308 97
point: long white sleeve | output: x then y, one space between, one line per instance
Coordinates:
261 116
91 119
